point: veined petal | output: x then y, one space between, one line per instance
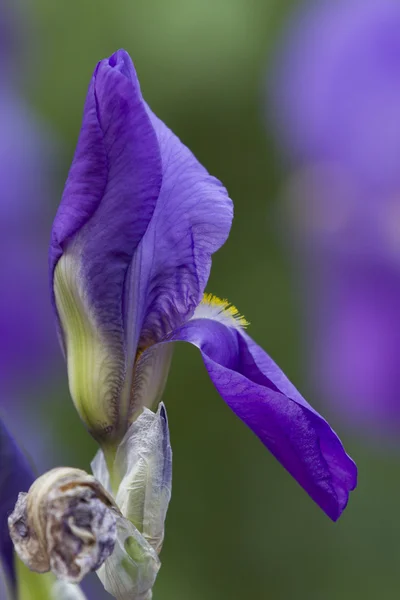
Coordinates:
15 476
109 199
171 266
116 165
260 394
191 221
150 377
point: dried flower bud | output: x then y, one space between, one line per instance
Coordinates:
66 523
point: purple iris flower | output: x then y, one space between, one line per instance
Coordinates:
130 258
16 476
337 98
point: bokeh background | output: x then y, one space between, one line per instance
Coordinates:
239 81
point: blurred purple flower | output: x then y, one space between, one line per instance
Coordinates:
130 258
338 87
27 338
336 94
357 359
26 333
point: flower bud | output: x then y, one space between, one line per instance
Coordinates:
143 470
66 523
143 466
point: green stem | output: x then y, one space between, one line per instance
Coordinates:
115 479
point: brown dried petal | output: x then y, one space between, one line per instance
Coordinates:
25 539
81 533
66 523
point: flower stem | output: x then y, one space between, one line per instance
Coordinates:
115 479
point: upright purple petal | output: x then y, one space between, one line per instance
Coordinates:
263 398
15 476
111 190
108 201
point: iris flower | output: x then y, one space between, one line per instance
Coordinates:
130 258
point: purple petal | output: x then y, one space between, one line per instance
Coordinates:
191 221
263 398
112 187
15 476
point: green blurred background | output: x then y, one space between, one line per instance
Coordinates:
238 526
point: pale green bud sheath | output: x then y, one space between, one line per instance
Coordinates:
95 367
108 393
97 373
143 465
